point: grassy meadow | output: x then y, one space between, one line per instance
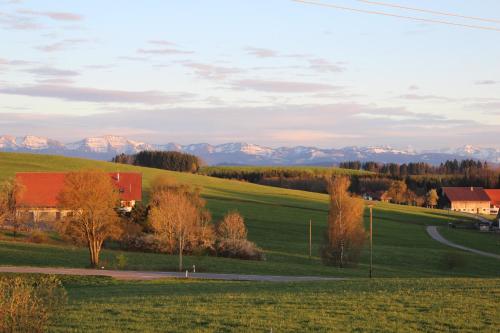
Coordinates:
416 287
379 305
277 221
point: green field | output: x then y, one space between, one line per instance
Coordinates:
414 291
487 242
277 221
381 305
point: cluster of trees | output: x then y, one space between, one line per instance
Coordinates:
167 160
175 222
450 167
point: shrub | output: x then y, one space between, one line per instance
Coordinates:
29 304
240 249
144 243
38 236
232 226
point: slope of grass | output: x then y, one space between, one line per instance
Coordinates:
380 305
487 242
277 221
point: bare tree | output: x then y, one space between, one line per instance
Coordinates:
345 234
179 218
92 199
10 193
174 220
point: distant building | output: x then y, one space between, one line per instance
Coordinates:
494 196
39 198
466 199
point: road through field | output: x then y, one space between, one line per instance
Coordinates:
434 233
139 275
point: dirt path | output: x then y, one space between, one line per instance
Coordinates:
434 233
136 275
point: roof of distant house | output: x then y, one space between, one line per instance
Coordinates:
465 194
494 196
41 189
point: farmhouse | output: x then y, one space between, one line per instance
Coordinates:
466 199
494 196
39 198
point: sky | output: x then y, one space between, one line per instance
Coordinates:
268 72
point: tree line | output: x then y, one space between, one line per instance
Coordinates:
166 160
450 167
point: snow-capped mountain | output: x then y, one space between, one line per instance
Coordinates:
29 143
473 152
237 153
109 144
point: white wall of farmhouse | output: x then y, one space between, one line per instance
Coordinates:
481 207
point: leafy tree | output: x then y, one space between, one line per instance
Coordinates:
431 198
398 191
345 234
92 199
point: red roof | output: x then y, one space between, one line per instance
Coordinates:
465 194
41 189
494 196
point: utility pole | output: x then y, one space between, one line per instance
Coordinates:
371 239
310 238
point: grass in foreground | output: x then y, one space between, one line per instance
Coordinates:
380 305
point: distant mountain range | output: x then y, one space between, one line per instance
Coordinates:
106 147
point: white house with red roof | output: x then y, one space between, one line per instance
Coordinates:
38 201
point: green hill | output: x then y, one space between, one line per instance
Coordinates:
277 221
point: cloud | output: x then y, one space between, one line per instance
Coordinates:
320 125
261 52
486 82
283 86
133 58
486 106
415 97
57 16
18 22
413 87
332 125
164 51
211 72
161 42
62 45
51 71
84 94
323 65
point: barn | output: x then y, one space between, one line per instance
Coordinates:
466 199
39 198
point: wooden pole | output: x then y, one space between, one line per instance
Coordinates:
310 238
371 241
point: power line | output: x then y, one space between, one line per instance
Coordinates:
322 4
385 4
